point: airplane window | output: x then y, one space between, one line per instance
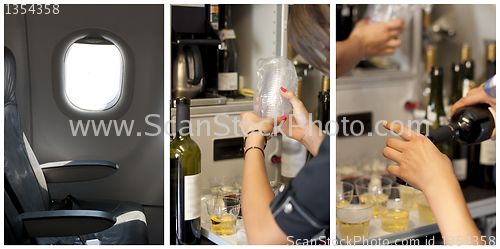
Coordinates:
93 75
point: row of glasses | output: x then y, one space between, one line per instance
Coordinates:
392 202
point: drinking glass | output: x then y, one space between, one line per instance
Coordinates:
344 194
424 210
394 204
277 187
223 213
354 218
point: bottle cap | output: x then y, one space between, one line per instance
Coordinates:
430 53
325 86
491 51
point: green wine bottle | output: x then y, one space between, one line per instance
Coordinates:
185 189
458 152
435 115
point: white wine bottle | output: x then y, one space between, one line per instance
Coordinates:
425 85
185 189
228 78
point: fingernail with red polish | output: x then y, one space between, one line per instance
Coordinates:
283 89
283 117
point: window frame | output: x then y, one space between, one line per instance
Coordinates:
116 98
128 76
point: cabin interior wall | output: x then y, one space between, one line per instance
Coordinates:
32 38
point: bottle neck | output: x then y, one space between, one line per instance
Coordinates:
436 97
182 121
229 23
456 85
468 68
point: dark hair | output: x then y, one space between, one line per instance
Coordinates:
307 34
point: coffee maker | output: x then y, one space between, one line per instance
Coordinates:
194 51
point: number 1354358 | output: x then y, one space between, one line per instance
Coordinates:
35 9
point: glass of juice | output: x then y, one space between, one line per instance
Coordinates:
223 212
354 218
424 210
394 204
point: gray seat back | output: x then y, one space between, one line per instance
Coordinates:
14 233
24 181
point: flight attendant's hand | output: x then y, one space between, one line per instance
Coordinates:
377 38
421 164
476 96
299 126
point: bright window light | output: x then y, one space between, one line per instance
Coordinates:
93 76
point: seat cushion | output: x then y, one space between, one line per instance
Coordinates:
130 227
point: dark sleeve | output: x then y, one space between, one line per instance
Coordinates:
303 209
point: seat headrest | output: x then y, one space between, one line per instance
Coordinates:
9 76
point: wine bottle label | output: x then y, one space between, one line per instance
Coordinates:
443 121
431 116
192 197
228 81
460 168
226 34
487 156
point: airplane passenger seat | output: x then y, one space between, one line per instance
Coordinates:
32 217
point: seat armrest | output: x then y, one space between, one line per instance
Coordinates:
76 171
57 223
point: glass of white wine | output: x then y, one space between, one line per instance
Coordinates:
424 210
223 213
354 218
344 193
370 186
394 204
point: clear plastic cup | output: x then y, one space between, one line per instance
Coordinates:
223 212
343 195
394 204
277 187
354 218
424 210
